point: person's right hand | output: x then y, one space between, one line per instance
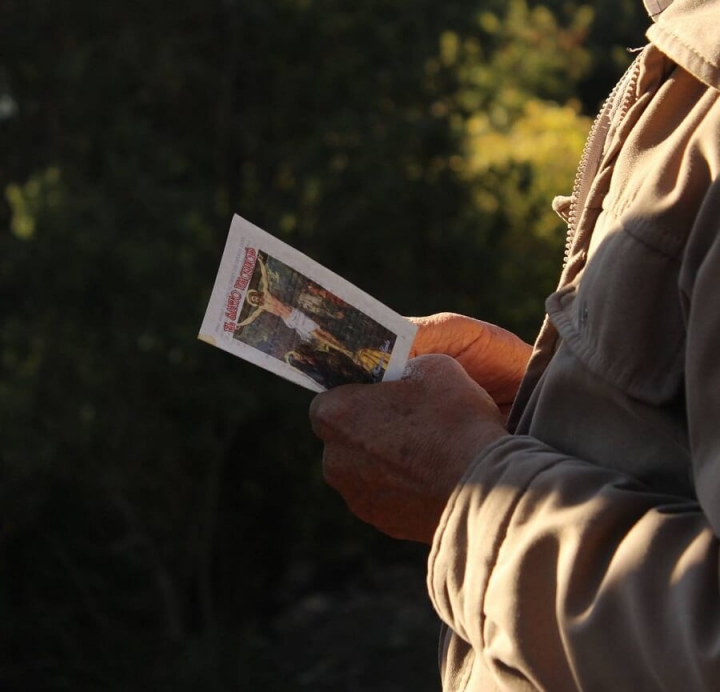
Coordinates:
494 357
396 450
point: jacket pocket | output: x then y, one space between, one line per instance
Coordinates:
622 315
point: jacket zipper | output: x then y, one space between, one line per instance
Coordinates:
593 151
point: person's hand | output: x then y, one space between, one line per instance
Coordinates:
396 450
494 357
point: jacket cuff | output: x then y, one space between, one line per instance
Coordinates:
473 526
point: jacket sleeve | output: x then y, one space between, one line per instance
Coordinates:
570 576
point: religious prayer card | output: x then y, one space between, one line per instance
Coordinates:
281 310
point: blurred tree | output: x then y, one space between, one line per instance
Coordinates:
160 501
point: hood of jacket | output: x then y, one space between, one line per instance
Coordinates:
687 32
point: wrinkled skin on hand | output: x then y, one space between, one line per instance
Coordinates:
396 450
494 357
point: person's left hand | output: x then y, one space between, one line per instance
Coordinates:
396 450
494 357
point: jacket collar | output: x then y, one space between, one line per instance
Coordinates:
655 7
686 31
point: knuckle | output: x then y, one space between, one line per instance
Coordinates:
428 365
316 408
321 418
335 410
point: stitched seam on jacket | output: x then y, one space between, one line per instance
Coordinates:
694 51
690 61
665 236
606 370
619 209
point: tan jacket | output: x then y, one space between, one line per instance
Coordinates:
582 553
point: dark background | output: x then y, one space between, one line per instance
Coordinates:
163 520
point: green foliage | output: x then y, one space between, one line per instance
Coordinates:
156 493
